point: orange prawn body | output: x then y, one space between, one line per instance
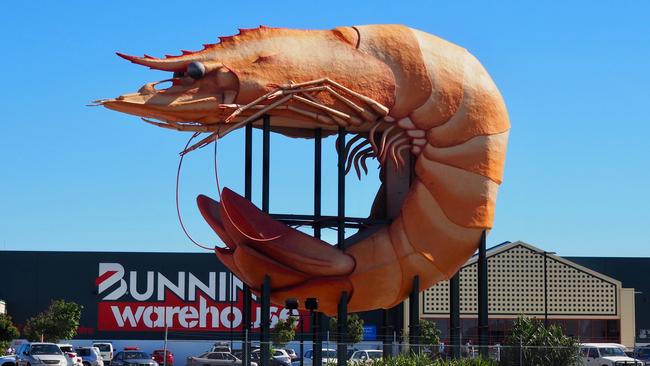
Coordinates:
405 92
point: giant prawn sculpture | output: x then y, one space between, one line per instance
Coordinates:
401 90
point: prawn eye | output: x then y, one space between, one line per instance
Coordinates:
196 70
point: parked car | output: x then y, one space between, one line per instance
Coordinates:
365 356
133 358
292 353
106 350
70 354
606 354
255 356
159 356
40 353
643 354
279 355
221 347
215 359
328 355
90 356
8 360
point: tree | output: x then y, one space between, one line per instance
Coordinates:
8 332
355 329
284 331
60 321
536 344
429 333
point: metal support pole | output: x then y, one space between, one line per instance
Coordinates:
483 331
342 331
317 350
265 323
341 188
165 346
266 147
386 334
318 142
454 315
545 292
247 310
302 338
414 315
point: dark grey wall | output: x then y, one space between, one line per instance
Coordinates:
31 280
633 273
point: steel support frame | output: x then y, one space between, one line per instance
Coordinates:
414 315
483 330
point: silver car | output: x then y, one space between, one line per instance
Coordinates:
133 358
215 359
90 356
41 354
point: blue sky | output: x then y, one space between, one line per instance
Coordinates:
574 76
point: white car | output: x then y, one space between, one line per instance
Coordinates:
606 354
106 350
70 354
366 356
39 353
329 356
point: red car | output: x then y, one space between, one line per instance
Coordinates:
158 356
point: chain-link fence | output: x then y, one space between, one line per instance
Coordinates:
195 352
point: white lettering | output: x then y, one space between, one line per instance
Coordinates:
164 283
113 279
127 315
187 317
222 286
193 283
231 316
204 311
133 286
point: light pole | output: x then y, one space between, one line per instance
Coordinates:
546 289
292 304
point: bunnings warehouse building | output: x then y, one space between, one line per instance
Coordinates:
129 297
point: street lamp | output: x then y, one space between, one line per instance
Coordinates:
546 289
292 304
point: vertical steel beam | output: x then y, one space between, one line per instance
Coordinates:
454 315
318 143
266 166
265 323
414 315
342 331
248 193
545 291
341 188
302 338
386 333
483 331
317 346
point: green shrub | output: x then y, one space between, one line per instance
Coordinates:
536 344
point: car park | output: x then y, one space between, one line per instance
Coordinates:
328 356
106 350
163 357
365 356
606 354
131 357
215 359
38 353
90 356
71 354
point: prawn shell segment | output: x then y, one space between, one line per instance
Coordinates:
272 56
